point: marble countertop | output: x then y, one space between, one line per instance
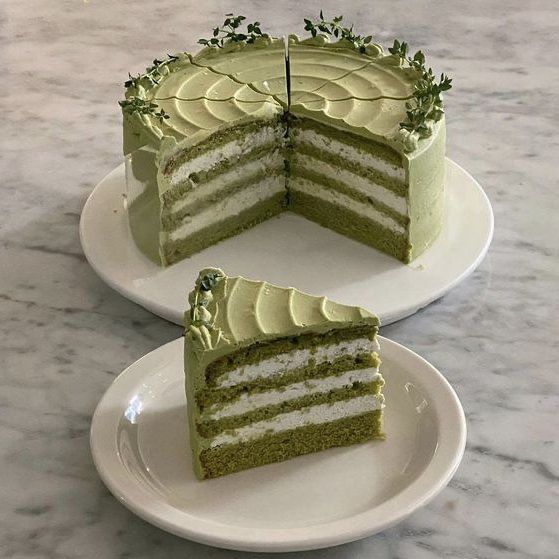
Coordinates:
65 335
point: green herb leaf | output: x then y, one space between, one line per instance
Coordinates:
427 103
136 105
209 281
336 29
227 32
152 74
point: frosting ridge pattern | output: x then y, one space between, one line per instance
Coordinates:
329 81
238 311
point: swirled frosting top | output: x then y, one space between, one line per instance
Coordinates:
233 312
204 92
364 93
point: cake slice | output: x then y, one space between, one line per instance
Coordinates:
273 373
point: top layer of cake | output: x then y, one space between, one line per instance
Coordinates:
365 93
230 313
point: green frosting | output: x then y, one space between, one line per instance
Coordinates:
334 83
237 312
365 94
330 82
260 65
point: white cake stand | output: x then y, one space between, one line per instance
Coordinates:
289 250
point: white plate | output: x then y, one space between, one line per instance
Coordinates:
139 443
290 250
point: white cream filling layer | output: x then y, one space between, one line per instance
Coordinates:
354 181
292 360
250 402
349 152
313 415
229 206
268 135
269 162
305 186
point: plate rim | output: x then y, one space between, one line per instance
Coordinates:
446 459
398 313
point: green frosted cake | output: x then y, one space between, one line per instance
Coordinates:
273 373
331 127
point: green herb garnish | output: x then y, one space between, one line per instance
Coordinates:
427 104
202 328
136 105
202 297
336 29
228 32
152 75
209 281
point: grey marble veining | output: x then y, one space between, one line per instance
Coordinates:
64 335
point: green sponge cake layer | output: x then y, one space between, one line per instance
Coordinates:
262 361
222 371
348 220
277 447
174 249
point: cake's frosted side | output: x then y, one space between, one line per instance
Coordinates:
143 204
426 178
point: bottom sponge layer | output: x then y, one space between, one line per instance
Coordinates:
276 447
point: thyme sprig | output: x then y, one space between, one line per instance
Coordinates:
427 103
202 328
209 280
153 73
336 29
136 105
229 32
206 281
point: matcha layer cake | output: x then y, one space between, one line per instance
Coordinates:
339 131
273 373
